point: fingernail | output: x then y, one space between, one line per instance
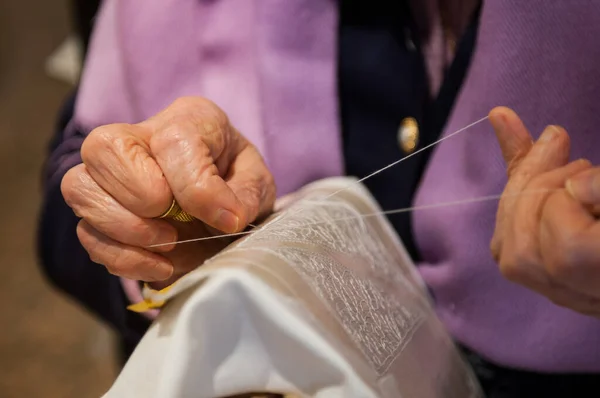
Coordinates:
226 221
585 187
549 134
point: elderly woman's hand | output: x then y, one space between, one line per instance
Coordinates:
131 174
548 238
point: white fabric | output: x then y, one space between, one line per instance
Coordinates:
318 303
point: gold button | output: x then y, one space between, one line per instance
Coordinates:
408 135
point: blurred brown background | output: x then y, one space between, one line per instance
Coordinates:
49 347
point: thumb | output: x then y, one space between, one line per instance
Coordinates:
513 137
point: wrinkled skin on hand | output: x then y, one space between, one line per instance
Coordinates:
132 172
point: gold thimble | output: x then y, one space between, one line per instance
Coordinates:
176 213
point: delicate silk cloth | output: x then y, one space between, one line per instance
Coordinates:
321 301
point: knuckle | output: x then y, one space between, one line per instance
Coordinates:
181 136
201 180
68 184
217 116
126 144
200 107
513 169
128 171
174 133
192 121
520 174
110 139
98 141
206 116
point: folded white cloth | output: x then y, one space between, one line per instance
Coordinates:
321 301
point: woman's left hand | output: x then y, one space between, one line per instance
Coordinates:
547 234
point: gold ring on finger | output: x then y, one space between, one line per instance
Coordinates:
175 212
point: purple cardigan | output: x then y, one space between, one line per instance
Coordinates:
271 66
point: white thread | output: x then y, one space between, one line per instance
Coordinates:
443 204
200 239
380 213
343 189
408 156
401 160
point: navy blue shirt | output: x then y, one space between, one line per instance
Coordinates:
382 81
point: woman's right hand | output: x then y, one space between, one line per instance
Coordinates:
132 172
549 241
